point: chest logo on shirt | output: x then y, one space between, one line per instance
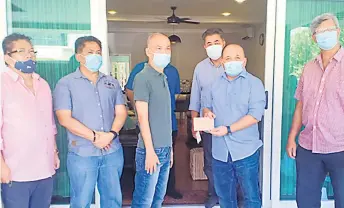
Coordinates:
109 84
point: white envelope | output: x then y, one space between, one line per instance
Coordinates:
203 124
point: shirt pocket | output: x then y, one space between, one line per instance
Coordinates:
241 100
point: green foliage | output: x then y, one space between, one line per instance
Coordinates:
303 49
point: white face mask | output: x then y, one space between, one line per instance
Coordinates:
214 52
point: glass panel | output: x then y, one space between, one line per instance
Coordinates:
299 49
53 26
120 68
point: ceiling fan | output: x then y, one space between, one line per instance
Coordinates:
175 20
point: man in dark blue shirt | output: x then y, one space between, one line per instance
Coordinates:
174 86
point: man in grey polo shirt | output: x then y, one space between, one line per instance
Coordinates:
90 105
154 154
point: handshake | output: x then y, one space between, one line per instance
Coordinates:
103 140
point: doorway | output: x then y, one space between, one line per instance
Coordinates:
129 26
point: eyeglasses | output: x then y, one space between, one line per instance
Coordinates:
322 30
22 52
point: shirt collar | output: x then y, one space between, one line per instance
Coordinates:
153 71
15 76
168 65
338 56
77 74
242 74
212 64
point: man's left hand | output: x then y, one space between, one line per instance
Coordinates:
56 161
219 131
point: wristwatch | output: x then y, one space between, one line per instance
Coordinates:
229 130
94 136
115 134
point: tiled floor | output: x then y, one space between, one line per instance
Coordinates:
194 191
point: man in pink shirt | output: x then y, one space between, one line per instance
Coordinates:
320 109
29 156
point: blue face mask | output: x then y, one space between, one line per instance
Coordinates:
161 60
93 62
214 52
234 68
327 40
27 67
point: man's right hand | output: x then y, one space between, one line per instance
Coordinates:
152 161
5 174
291 148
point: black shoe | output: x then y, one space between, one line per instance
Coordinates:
211 201
174 194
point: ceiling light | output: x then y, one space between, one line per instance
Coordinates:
240 1
226 14
175 39
112 12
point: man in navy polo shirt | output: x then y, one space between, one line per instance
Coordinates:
174 86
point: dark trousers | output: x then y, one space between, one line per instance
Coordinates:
171 186
311 172
208 157
32 194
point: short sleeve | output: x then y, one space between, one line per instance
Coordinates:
133 74
62 96
141 89
119 96
299 89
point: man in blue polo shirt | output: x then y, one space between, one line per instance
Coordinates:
174 86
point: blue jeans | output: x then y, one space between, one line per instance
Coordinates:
86 172
31 194
150 190
311 171
246 173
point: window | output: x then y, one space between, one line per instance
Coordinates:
299 49
53 27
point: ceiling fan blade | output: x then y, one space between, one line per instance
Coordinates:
190 22
185 18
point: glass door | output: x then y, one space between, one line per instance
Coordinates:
54 26
294 47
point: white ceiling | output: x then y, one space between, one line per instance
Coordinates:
205 11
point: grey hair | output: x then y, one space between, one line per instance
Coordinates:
321 18
212 31
151 36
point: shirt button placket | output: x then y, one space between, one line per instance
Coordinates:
100 109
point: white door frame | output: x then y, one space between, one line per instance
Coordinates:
281 6
269 85
3 29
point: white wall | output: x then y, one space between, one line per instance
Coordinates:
256 53
187 54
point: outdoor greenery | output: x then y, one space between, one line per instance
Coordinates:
303 49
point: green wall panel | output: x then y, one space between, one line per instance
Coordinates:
299 49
